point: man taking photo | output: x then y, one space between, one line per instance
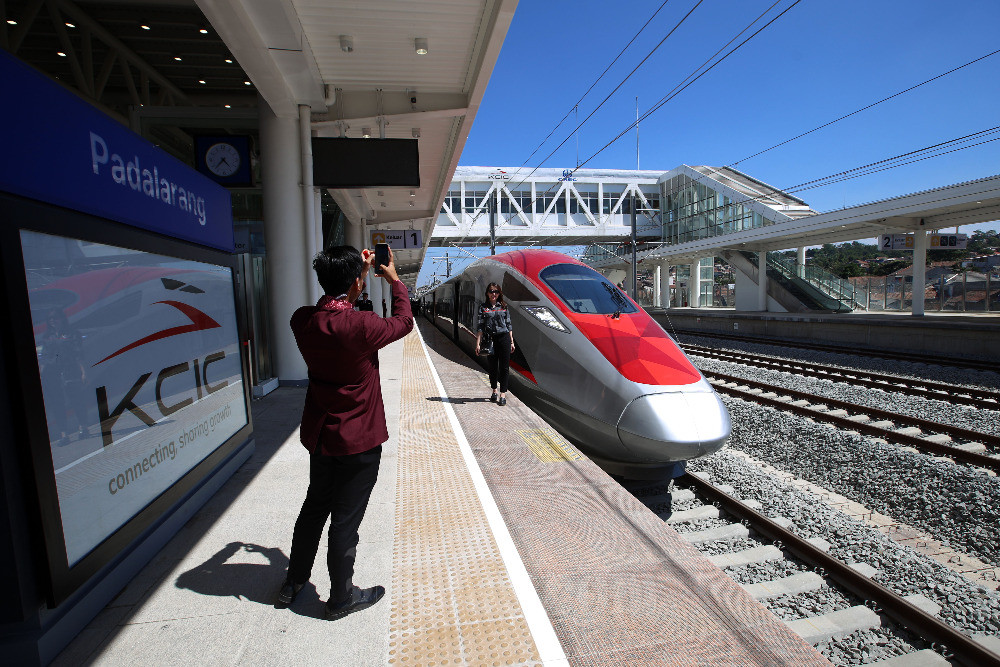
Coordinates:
343 421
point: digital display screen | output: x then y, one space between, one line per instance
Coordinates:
139 361
362 163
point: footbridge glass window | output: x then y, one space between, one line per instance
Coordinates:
609 201
473 199
453 200
589 199
585 290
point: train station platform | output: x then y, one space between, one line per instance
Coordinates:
498 544
969 335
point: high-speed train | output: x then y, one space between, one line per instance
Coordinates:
589 360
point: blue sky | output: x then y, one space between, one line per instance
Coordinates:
819 61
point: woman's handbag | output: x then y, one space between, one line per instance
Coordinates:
486 345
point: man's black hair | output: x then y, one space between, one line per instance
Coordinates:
337 268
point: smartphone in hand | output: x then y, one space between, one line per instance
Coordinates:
381 257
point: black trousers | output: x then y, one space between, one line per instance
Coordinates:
339 489
498 363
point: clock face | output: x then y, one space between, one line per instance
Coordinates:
222 159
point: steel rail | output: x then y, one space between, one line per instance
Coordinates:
882 354
955 453
963 648
939 391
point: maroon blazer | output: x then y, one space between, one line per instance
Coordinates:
343 413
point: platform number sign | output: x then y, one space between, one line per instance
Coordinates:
895 242
404 239
949 241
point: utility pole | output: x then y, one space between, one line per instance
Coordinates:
493 222
635 272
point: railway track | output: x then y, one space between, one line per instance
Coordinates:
915 613
941 391
853 351
921 434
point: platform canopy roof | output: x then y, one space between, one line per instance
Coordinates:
173 66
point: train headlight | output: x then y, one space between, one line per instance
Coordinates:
545 316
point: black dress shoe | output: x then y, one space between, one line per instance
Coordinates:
360 598
288 591
493 397
502 401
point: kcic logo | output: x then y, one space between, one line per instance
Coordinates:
200 321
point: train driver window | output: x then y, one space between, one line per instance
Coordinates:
585 290
515 290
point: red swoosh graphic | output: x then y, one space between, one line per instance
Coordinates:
199 322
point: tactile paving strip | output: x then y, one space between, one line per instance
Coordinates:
452 602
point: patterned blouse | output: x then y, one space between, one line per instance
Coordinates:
493 320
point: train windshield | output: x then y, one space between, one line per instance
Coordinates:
585 290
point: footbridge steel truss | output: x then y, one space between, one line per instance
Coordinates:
550 206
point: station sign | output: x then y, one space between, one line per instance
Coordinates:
949 241
896 242
934 242
403 239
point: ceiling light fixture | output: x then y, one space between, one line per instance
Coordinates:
346 43
177 58
229 61
366 132
144 27
69 25
413 193
420 44
60 54
411 203
201 81
415 132
229 106
203 31
246 83
11 22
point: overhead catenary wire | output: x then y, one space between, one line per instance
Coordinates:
865 108
575 107
689 79
662 100
677 91
616 89
882 165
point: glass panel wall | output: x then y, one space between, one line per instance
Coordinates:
693 210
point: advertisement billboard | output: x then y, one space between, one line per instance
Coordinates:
139 361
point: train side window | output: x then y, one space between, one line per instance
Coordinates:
515 290
467 304
585 290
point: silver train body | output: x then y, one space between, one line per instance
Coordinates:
588 360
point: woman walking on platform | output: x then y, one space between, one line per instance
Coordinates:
494 325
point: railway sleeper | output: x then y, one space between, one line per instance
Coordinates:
791 585
836 624
733 531
750 556
922 658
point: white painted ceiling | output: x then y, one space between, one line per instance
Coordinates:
291 50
